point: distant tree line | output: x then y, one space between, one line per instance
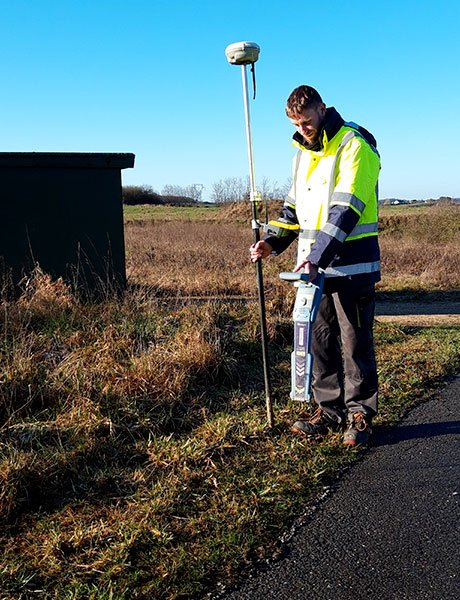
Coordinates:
230 189
170 194
235 189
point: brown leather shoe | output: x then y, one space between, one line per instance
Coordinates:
317 425
358 430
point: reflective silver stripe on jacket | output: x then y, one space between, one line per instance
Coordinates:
348 199
289 201
358 269
336 232
308 234
365 228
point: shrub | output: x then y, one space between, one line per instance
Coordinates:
140 194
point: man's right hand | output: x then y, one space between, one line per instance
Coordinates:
261 249
307 267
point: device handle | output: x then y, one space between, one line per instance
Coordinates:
291 276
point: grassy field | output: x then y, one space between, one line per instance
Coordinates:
169 213
135 461
420 251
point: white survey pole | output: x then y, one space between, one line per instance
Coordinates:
247 118
243 54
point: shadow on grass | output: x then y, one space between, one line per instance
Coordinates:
413 295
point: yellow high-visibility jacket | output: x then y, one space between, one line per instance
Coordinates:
332 205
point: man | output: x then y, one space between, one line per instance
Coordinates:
332 209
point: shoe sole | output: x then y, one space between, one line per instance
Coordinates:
354 443
351 443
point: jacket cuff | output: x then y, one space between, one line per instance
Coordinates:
278 244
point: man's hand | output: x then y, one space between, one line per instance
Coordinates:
261 249
307 267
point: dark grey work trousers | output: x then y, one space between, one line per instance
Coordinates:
344 366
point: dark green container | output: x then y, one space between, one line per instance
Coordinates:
63 212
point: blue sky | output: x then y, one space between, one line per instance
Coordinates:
151 78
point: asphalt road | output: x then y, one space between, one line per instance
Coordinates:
386 307
390 529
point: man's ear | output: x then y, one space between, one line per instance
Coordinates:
322 110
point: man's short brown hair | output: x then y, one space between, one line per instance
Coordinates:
301 98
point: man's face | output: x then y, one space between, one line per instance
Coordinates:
308 122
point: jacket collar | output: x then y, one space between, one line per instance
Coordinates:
331 125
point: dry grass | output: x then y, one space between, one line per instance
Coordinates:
181 259
410 264
134 457
432 224
420 250
192 258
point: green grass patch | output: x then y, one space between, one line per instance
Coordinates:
421 208
145 212
135 461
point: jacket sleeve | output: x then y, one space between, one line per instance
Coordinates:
355 188
282 232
